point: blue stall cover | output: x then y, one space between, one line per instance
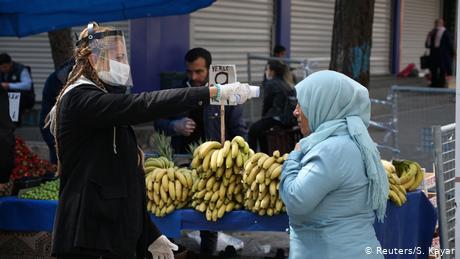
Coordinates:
26 17
409 227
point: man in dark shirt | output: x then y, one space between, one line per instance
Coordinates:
202 123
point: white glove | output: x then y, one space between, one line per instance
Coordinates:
162 248
237 92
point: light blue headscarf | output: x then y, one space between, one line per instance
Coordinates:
334 102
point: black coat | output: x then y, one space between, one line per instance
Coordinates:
442 56
276 92
6 138
102 205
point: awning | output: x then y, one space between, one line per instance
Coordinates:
26 17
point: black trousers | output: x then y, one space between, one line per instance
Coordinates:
438 76
257 133
208 244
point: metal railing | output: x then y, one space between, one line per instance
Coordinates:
407 127
444 157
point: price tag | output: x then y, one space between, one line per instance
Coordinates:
222 74
14 105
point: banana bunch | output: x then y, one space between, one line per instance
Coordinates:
159 162
410 174
168 189
261 180
397 193
219 188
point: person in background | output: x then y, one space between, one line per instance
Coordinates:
279 51
275 109
201 123
15 77
102 207
333 184
442 52
53 86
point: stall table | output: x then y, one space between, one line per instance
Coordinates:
408 227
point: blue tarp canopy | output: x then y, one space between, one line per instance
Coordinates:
26 17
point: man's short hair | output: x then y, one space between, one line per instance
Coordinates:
5 59
196 53
278 49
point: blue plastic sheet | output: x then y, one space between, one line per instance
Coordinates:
26 17
408 227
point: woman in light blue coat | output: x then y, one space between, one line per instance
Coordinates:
333 183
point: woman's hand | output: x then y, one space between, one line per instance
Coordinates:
297 147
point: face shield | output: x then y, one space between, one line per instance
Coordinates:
109 56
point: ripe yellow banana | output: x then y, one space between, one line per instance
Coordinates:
165 182
239 160
210 183
196 162
172 190
234 149
164 196
178 190
181 177
276 172
252 175
255 158
418 178
215 196
229 162
207 160
395 198
268 162
156 198
229 206
246 148
159 173
260 178
220 157
265 201
272 188
208 146
261 160
189 179
208 196
214 160
408 175
222 191
239 140
170 172
221 212
408 184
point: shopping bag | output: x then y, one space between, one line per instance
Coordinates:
425 61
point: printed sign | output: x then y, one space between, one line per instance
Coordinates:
14 105
222 74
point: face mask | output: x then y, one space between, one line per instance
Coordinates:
118 74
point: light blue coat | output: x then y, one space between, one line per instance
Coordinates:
325 193
335 183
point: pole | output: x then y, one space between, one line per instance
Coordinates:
222 123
